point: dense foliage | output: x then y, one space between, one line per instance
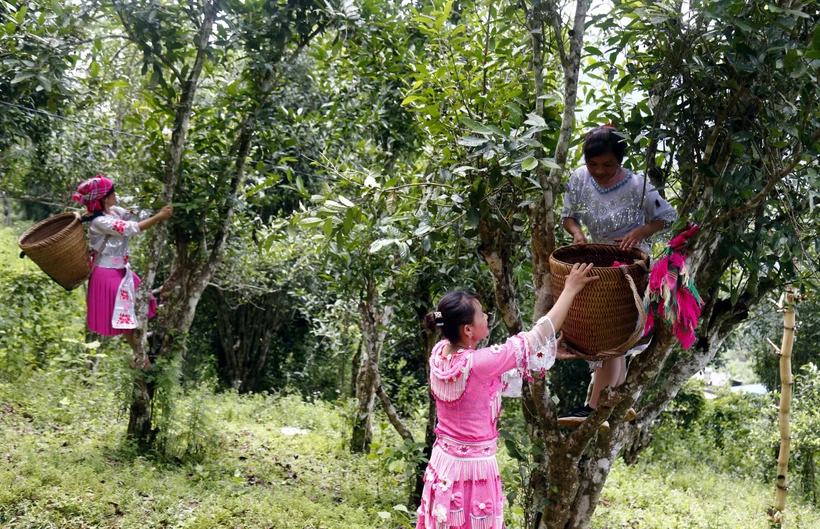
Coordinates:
335 167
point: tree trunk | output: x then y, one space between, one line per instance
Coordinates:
374 330
355 366
6 211
430 339
140 420
786 384
540 416
497 250
573 502
245 334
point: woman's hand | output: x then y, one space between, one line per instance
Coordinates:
578 278
579 238
632 239
574 229
166 212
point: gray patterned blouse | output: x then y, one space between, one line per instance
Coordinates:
611 213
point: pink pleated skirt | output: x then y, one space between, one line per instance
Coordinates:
462 487
102 291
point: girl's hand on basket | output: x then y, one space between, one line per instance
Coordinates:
579 238
579 278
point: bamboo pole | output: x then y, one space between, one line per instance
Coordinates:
786 383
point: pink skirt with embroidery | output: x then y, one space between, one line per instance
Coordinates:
462 487
102 291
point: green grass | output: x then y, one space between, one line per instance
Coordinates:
64 465
694 497
9 251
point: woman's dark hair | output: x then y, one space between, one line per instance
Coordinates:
454 310
603 140
99 212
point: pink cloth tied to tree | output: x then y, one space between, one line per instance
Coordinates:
671 294
91 191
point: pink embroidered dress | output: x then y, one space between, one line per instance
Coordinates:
462 486
112 285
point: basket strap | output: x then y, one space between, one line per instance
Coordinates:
638 332
105 241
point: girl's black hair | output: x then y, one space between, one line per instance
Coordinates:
99 212
603 140
455 310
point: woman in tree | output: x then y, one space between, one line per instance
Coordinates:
462 485
617 207
112 286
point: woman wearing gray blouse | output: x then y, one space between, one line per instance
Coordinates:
616 206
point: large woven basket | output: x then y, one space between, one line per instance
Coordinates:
58 246
607 317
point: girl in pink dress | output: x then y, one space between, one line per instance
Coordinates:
111 288
462 485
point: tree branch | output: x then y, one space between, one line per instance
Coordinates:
132 36
391 412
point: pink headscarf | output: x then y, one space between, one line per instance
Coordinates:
90 192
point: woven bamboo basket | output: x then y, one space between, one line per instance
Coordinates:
58 246
607 317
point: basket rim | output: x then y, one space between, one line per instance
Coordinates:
570 247
50 220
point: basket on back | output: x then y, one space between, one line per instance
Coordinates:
607 317
58 246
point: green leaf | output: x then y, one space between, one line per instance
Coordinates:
743 135
115 84
22 76
624 81
409 99
472 141
45 82
535 120
473 217
377 245
512 449
327 227
743 25
529 163
475 126
310 222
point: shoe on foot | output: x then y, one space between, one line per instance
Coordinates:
630 415
576 417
